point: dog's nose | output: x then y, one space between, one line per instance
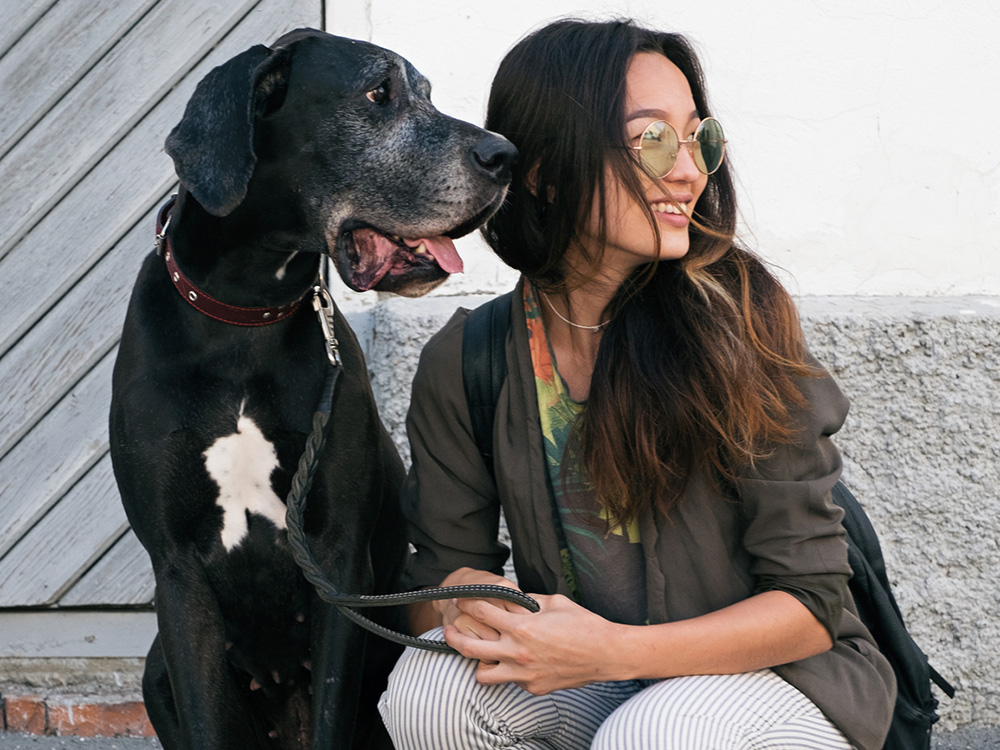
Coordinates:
494 155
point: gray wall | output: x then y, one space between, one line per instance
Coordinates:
918 444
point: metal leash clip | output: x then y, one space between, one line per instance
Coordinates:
161 236
323 305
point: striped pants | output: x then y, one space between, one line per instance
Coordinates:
433 702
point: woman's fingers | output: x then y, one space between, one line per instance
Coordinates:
473 628
473 647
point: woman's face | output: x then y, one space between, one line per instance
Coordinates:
656 89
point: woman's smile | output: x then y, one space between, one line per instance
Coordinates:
673 213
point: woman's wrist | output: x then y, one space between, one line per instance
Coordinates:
636 646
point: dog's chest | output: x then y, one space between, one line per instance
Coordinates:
241 464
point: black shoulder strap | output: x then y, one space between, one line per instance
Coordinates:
873 596
484 367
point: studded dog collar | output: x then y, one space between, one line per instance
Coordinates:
202 302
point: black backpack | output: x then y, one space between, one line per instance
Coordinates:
484 369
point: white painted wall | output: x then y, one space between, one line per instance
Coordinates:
865 133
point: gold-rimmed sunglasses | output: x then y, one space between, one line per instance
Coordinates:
659 146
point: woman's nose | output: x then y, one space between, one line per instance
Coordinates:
685 170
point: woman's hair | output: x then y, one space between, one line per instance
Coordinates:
696 371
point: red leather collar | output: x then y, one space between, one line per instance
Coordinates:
206 305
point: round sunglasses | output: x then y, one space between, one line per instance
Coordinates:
659 146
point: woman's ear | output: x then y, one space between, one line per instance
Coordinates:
531 181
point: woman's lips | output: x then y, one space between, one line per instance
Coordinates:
669 212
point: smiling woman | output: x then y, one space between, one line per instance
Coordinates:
661 448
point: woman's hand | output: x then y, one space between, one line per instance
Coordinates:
561 646
452 614
424 616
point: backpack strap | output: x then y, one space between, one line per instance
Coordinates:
873 594
484 368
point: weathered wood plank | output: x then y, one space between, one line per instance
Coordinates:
66 551
122 577
65 543
56 53
113 196
68 634
18 17
55 454
106 104
83 327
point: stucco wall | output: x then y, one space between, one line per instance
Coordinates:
862 133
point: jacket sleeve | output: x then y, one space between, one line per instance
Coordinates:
449 498
793 529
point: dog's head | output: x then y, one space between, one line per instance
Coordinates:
339 141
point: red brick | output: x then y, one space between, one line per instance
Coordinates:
25 713
69 717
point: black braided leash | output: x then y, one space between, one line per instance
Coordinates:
295 503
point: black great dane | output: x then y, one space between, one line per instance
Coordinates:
316 145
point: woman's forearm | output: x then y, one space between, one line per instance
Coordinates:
564 645
765 630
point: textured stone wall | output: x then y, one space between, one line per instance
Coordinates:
919 448
921 453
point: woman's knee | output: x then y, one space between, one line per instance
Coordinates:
422 694
717 712
655 720
433 700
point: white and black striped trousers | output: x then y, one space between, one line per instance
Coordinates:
433 702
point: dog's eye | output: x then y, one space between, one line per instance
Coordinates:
379 94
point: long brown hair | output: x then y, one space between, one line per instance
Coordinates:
696 371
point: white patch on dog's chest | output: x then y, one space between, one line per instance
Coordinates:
241 464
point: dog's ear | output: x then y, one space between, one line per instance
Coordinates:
212 145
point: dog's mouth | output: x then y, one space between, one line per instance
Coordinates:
370 259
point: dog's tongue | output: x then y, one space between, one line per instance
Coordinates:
376 254
443 250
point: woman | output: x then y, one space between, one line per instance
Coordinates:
661 449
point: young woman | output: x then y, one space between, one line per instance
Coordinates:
661 449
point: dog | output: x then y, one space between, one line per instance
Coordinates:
317 145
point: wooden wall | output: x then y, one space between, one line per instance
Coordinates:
88 92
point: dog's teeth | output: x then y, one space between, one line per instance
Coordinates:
422 249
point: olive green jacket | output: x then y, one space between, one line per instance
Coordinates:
783 531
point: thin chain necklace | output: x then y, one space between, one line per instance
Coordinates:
595 329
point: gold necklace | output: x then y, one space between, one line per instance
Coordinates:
559 315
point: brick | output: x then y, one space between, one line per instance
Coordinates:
79 717
25 713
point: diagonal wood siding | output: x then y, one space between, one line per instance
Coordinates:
89 91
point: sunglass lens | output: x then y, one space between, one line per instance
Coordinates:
711 146
659 149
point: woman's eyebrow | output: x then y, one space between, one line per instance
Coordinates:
658 113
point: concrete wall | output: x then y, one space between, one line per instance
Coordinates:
862 135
